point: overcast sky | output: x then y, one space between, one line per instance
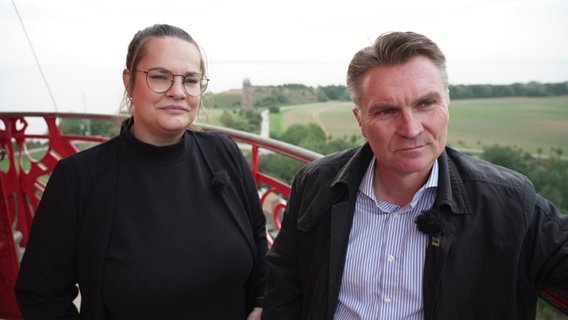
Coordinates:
81 45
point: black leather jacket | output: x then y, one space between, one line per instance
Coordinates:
79 203
499 241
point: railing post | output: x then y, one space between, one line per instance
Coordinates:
255 163
9 262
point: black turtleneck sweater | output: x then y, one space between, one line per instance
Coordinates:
175 252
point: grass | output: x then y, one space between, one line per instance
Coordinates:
276 122
335 118
212 116
527 123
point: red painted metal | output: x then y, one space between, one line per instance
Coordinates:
22 181
558 299
8 262
21 187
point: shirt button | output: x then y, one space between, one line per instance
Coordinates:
390 258
387 300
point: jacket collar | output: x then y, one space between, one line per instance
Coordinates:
220 170
451 189
354 169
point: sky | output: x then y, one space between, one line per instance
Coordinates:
68 55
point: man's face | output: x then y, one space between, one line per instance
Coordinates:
404 115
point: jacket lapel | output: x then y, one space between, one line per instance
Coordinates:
451 203
346 185
208 151
94 235
340 227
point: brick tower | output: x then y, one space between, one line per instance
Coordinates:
247 95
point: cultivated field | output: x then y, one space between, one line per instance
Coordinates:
527 123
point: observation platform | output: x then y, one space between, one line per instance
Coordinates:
23 179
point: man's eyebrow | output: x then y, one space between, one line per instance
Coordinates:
382 106
430 95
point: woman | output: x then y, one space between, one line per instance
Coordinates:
157 223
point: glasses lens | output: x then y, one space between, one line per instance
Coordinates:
159 80
203 84
195 84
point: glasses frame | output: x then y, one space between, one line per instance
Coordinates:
202 85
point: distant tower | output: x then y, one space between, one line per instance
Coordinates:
247 95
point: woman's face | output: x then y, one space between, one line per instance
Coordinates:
161 118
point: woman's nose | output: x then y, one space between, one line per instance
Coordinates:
177 89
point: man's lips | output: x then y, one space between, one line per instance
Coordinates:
410 148
414 148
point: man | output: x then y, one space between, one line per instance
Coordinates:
404 227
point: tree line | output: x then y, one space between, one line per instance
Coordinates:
271 97
530 89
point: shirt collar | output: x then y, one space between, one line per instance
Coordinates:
366 186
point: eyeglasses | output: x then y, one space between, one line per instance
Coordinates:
161 80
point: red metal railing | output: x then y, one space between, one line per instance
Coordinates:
22 181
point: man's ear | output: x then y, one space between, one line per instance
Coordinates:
357 113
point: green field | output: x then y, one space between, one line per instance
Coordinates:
526 123
335 118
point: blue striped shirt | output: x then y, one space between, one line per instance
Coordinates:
383 271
